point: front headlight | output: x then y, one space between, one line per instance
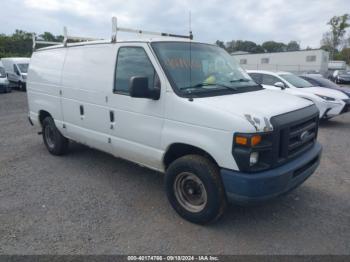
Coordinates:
252 151
327 98
254 158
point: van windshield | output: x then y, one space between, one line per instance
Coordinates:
2 72
23 67
194 68
296 80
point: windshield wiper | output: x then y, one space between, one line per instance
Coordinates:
208 84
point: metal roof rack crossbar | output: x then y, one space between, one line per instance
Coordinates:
42 42
115 30
67 37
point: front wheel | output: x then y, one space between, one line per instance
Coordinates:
54 141
195 190
21 86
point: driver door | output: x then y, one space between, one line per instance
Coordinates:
138 122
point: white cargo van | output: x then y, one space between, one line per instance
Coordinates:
180 107
16 69
4 83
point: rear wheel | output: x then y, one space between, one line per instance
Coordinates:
194 189
54 141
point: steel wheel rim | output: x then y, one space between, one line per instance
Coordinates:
190 192
49 136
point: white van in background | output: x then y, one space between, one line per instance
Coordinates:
4 83
16 69
191 113
330 102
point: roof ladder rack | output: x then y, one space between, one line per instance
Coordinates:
43 42
76 38
115 30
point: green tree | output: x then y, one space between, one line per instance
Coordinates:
338 26
293 46
326 42
272 47
17 44
343 55
220 44
21 35
47 36
240 45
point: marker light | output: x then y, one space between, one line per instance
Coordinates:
256 139
248 141
241 140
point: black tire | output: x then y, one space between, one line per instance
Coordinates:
20 86
207 178
54 141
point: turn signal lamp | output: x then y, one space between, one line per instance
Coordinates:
248 141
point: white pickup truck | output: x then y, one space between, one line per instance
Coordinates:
180 107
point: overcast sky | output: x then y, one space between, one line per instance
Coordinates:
255 20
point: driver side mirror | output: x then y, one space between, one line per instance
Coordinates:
280 85
138 87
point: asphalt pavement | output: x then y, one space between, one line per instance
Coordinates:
88 202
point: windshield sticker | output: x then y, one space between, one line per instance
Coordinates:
183 63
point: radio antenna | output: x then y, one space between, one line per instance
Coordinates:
190 31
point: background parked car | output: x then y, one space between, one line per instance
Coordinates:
341 77
16 69
329 102
323 82
4 83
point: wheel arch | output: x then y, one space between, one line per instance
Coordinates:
177 150
42 115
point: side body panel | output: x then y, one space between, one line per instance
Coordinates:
44 84
87 79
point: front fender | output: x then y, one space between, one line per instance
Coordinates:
217 143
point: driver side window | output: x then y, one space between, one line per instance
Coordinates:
270 80
133 61
15 69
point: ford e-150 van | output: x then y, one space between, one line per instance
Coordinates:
16 69
180 107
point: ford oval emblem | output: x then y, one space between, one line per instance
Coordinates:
304 135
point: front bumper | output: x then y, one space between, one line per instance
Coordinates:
346 107
333 109
343 80
254 187
3 87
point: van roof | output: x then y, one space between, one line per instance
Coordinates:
142 40
16 59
